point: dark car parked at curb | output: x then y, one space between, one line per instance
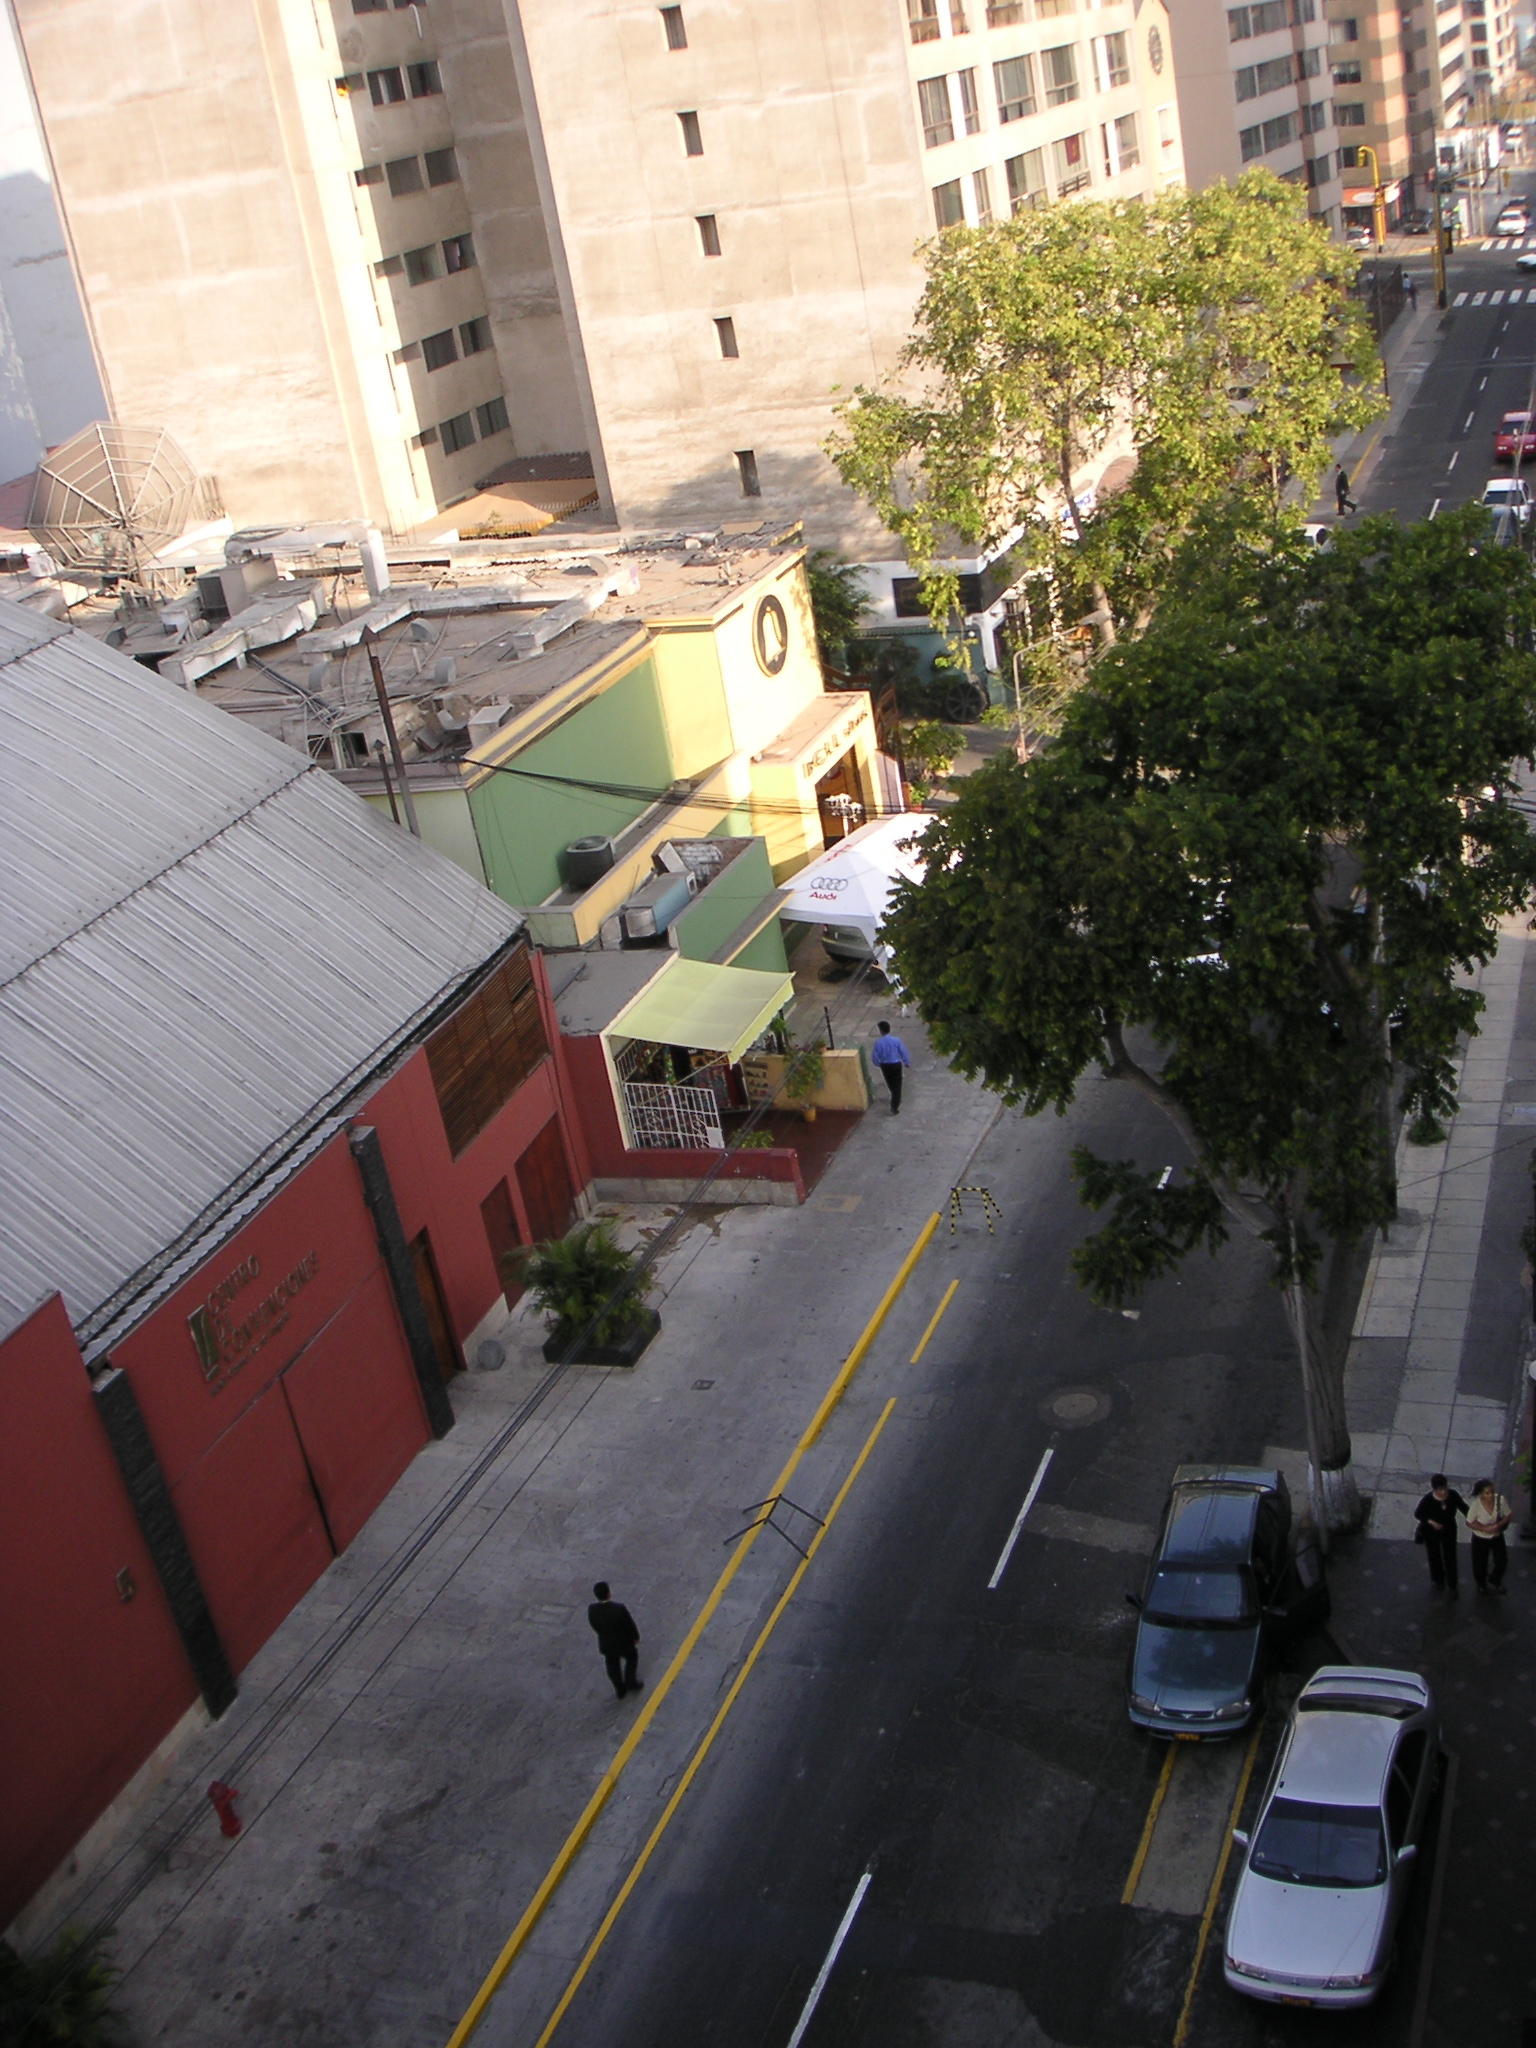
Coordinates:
1230 1578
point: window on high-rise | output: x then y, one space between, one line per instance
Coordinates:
491 418
424 80
1060 68
1004 13
1250 143
1112 58
1014 80
981 186
1070 159
746 469
970 110
923 20
421 265
1026 180
948 206
386 87
442 167
709 234
1349 113
439 350
458 253
725 329
457 433
1127 141
693 139
933 103
475 336
1347 73
677 32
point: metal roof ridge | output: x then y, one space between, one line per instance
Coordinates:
147 881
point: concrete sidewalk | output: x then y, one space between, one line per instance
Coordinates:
1435 1382
414 1743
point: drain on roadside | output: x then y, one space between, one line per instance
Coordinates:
1074 1407
702 1386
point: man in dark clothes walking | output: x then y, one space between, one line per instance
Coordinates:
1436 1516
890 1056
1341 495
617 1638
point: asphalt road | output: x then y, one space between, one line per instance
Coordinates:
1483 365
966 1750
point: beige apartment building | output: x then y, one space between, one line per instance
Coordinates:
1255 87
359 255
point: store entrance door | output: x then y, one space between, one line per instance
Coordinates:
840 800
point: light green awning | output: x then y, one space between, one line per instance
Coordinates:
716 1009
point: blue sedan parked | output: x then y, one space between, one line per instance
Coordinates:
1227 1579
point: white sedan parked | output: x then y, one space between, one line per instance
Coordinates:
1327 1868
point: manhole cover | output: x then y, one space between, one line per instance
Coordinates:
1074 1407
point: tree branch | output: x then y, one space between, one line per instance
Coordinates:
1119 1066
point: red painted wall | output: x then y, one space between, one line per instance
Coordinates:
92 1682
591 1095
278 1439
267 1477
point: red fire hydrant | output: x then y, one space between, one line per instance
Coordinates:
224 1797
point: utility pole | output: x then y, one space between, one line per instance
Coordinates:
1378 197
1438 252
390 734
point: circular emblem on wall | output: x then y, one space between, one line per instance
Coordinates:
770 636
1155 48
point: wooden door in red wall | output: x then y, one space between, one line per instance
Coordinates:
496 1213
545 1185
253 1524
449 1357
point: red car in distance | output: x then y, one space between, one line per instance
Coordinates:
1516 436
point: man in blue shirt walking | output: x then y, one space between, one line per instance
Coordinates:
890 1056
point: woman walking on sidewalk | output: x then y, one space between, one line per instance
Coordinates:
1436 1516
1487 1519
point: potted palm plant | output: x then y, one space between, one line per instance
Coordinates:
804 1076
593 1292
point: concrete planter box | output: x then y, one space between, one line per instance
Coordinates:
626 1353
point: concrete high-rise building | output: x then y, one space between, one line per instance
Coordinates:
1254 88
358 255
49 388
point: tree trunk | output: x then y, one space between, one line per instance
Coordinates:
1335 1498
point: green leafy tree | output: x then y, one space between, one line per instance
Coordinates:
60 1998
1211 330
838 604
928 749
1245 880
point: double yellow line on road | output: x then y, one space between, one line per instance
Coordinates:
558 1870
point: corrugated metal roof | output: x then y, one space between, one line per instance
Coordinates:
209 946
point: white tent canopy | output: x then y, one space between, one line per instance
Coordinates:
851 883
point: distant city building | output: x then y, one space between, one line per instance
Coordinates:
357 273
49 386
1255 87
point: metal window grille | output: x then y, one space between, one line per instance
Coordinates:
669 1119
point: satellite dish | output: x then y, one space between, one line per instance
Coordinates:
111 498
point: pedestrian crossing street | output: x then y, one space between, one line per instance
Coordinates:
1514 298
